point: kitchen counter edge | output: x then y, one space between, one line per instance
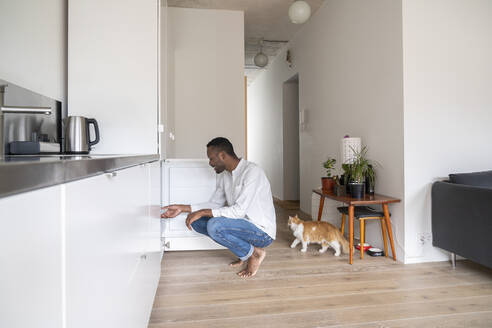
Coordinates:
28 176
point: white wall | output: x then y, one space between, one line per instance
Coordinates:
349 60
290 114
206 80
265 124
113 71
448 103
33 45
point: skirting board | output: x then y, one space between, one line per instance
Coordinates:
190 244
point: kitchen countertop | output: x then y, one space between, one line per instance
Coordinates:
23 173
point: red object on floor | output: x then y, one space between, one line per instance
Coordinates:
366 246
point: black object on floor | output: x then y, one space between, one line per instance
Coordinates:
375 252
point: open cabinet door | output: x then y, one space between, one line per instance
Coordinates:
186 182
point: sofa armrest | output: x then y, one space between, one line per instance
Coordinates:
462 220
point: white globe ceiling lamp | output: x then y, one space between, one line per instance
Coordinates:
261 60
299 12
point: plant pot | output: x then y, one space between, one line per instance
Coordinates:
345 178
339 190
357 190
327 184
369 187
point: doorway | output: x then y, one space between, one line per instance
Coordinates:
290 104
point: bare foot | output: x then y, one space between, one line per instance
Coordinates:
254 263
236 263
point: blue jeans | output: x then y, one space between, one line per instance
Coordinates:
239 235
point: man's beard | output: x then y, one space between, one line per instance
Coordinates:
219 169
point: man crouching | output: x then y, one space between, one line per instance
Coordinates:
240 215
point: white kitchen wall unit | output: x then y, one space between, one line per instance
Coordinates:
113 71
82 254
164 139
31 262
186 182
34 46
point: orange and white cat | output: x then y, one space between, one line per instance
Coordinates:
318 232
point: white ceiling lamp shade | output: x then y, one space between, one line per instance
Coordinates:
261 60
299 12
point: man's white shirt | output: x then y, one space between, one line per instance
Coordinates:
244 193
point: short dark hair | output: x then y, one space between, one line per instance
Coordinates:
222 144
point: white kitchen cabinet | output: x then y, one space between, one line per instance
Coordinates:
149 269
31 262
155 244
112 257
113 71
82 254
186 182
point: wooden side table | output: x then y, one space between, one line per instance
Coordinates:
375 199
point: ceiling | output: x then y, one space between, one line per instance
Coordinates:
266 19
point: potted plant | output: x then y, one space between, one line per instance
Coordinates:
358 172
345 177
339 187
327 182
370 180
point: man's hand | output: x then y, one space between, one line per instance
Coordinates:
171 211
192 217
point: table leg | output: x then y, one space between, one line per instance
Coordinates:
351 231
321 204
383 230
390 230
362 226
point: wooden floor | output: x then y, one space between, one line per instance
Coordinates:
294 289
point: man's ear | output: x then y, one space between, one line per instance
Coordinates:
222 155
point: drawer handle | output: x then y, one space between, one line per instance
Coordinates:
143 256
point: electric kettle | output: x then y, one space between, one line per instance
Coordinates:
77 135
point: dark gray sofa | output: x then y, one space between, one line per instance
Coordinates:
462 216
